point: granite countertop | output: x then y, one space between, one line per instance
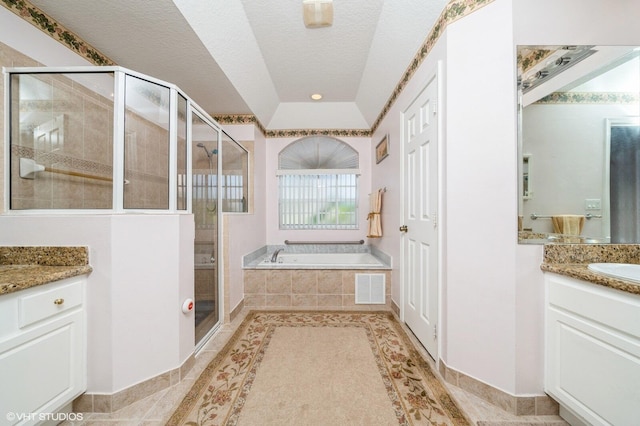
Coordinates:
581 272
26 267
573 261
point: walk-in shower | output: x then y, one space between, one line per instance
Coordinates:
209 153
111 141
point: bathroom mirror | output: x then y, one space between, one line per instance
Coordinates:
578 140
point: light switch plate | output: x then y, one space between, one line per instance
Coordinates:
592 204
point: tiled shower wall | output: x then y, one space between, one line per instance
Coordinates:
85 145
9 58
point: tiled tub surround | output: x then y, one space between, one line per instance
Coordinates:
331 287
252 259
26 267
572 260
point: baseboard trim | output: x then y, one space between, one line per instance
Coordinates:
536 405
395 308
108 403
234 313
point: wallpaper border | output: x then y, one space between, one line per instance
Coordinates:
453 11
57 31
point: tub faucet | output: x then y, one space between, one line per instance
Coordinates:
274 258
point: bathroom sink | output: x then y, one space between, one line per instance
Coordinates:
623 271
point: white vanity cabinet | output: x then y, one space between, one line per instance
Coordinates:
592 351
42 350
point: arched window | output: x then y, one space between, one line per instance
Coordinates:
318 184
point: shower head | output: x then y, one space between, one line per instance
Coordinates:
201 145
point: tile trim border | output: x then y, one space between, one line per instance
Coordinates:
57 31
533 405
453 11
236 311
395 308
531 59
108 403
597 98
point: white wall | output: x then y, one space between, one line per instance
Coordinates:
142 271
276 236
481 196
151 275
540 22
566 143
388 173
492 294
137 284
25 38
247 232
479 317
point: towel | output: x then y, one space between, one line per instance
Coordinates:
568 224
375 207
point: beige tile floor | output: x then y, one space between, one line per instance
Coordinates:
157 408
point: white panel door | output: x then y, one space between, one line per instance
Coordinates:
420 236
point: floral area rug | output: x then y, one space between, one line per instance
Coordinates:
318 368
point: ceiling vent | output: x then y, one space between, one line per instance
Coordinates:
317 13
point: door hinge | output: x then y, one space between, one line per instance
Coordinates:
435 219
435 106
435 331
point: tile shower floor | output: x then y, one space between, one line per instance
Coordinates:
157 408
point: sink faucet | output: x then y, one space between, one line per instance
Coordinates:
274 258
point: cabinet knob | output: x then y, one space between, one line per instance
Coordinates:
58 301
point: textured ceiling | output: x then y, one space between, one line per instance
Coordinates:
257 57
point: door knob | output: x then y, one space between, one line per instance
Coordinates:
404 228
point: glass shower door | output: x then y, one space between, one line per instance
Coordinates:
204 156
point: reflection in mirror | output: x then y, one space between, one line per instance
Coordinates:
578 118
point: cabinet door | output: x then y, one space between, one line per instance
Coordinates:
43 368
592 351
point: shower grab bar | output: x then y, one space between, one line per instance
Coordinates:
587 216
287 242
29 168
77 174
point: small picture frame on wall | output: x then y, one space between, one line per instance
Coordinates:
382 149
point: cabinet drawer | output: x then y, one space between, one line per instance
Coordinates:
612 308
48 303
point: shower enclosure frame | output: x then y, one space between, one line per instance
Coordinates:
119 111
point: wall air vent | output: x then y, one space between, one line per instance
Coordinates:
370 289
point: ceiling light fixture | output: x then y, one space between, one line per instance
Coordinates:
316 96
317 13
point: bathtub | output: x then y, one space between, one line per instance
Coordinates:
322 261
